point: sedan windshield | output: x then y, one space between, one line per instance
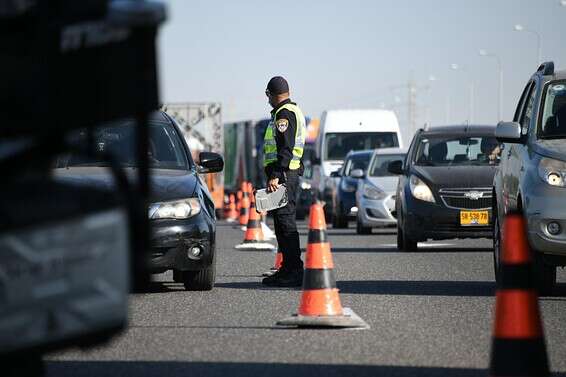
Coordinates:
379 164
360 161
338 145
465 150
118 139
554 113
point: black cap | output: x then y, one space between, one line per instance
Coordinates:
277 85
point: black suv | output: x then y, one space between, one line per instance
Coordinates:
444 188
532 175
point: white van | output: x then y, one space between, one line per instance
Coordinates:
342 131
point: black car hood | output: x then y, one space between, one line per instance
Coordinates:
166 184
553 148
457 176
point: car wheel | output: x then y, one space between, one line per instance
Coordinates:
360 229
202 280
409 244
496 247
400 245
545 275
339 221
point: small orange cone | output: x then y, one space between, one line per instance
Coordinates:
253 238
320 303
232 214
239 197
518 347
276 265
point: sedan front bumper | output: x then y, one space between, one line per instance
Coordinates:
376 213
173 239
424 220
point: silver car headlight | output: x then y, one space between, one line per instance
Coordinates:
372 192
552 171
420 190
346 187
177 209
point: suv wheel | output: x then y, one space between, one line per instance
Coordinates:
202 280
496 246
545 275
361 229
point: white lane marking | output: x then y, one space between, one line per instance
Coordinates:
420 244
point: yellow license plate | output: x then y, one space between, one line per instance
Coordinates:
472 218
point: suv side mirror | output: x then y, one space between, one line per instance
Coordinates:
357 173
395 167
335 174
508 132
210 162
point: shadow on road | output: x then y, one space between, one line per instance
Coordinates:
255 285
418 288
162 287
423 250
223 369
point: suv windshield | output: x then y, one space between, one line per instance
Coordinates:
465 150
379 164
338 145
554 111
165 147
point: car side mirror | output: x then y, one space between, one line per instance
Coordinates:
335 174
357 173
508 132
395 167
210 162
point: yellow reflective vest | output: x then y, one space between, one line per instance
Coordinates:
270 146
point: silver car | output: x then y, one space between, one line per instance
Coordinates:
375 196
531 178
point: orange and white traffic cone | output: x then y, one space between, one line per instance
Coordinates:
253 238
232 214
244 209
518 347
320 302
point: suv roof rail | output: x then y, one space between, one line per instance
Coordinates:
547 68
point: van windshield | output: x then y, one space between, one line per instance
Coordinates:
338 145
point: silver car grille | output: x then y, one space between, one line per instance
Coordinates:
469 198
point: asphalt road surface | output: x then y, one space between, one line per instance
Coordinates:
430 314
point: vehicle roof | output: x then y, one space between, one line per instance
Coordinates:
461 129
382 151
368 120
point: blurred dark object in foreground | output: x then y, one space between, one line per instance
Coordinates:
66 251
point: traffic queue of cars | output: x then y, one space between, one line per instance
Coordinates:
460 181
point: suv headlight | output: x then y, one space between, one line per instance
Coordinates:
552 171
346 187
420 190
372 192
177 209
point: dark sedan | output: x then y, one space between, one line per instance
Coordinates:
445 182
181 211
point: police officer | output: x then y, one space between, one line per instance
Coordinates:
284 143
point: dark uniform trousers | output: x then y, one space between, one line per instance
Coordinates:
286 226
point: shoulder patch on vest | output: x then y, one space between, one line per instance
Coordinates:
282 125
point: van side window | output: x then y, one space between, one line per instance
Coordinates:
528 109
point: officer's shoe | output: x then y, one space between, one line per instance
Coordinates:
285 278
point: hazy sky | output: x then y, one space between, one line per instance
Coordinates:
353 54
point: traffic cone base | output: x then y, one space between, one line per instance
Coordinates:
348 319
276 265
